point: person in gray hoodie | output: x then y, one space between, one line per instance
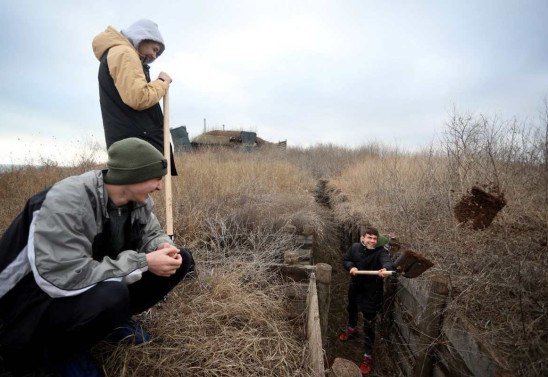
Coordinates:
130 100
82 258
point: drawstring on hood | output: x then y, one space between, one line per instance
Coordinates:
144 30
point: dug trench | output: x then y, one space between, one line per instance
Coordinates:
330 249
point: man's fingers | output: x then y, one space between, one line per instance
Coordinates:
175 254
173 262
165 245
170 251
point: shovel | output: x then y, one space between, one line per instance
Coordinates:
409 264
167 156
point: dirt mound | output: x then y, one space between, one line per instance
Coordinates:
479 206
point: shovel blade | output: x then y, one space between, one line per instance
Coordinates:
410 264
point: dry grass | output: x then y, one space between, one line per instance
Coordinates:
240 190
18 185
215 325
325 161
497 275
237 212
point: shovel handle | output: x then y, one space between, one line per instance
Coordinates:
365 272
167 156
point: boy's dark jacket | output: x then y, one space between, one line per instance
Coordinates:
367 290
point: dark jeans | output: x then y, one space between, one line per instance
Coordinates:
369 319
73 324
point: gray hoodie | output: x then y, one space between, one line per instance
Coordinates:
144 30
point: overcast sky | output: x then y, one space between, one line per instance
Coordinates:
343 72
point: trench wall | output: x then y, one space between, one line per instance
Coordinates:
427 339
308 294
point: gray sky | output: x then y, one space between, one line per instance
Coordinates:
342 72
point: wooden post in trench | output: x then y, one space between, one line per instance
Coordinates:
323 280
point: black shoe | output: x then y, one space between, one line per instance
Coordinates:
131 332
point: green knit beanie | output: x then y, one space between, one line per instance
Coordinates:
382 240
134 160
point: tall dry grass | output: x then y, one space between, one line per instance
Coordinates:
238 191
19 184
325 161
498 275
238 212
219 324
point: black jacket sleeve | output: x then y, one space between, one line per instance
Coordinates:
348 261
386 261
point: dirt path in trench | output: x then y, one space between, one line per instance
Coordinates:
330 249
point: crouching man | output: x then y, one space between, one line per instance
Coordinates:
82 258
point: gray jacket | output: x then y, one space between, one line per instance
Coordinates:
59 249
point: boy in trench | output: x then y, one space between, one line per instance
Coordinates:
365 292
82 257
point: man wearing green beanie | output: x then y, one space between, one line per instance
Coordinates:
82 257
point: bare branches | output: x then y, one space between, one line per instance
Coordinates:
496 274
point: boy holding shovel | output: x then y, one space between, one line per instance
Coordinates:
365 292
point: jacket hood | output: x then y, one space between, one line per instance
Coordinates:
144 30
108 39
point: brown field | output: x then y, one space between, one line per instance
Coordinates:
233 211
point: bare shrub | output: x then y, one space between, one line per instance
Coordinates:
413 196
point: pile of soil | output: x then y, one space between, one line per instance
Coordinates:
479 207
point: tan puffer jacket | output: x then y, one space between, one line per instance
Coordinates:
126 70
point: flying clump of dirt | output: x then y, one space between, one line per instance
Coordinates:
479 206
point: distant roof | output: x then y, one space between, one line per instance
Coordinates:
223 137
